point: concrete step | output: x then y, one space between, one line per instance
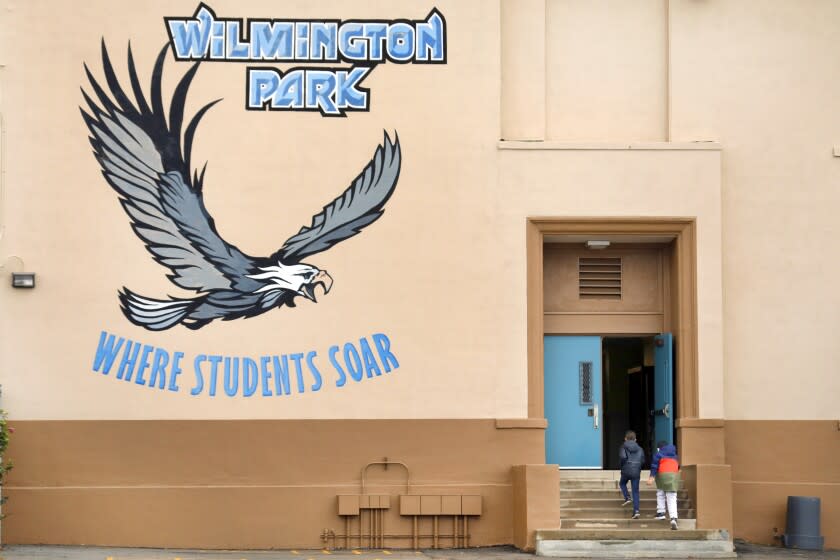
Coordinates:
612 512
630 543
645 522
645 503
588 484
658 533
644 493
596 484
594 474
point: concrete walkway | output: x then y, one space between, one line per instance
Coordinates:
749 552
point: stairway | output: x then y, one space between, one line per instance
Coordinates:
593 524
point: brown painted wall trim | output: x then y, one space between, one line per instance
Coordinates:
701 442
522 423
536 502
774 459
700 422
710 488
229 517
249 484
795 451
759 510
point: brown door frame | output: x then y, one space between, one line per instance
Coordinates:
683 319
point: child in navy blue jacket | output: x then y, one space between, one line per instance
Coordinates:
630 458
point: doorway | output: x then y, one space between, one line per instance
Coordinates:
597 388
628 381
677 239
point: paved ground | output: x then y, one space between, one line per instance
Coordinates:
748 552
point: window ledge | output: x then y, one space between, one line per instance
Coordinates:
700 422
521 423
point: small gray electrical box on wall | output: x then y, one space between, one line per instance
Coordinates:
837 150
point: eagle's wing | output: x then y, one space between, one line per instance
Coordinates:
358 206
142 159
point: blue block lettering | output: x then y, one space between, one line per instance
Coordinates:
159 368
262 84
401 42
383 346
214 373
271 41
353 361
191 37
175 371
250 377
370 361
236 50
347 95
342 377
430 39
199 379
265 375
302 40
106 352
310 361
296 358
144 363
324 44
320 87
217 40
376 34
351 42
231 376
282 385
128 361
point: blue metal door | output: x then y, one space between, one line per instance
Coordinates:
573 401
663 389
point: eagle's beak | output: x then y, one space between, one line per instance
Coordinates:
322 278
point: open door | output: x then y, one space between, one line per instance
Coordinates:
573 401
663 389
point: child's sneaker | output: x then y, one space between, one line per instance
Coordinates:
660 515
635 515
673 524
626 503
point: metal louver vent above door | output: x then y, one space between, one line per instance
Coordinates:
599 277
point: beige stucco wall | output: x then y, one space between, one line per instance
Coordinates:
605 70
442 273
423 274
761 78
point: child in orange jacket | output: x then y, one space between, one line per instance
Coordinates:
665 469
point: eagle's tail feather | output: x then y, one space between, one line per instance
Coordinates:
155 314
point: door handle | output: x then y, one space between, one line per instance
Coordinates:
664 411
595 416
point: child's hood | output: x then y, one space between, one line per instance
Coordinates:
668 450
631 446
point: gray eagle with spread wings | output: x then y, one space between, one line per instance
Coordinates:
147 162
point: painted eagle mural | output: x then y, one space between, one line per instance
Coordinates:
146 160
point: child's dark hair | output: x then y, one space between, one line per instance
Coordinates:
630 435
